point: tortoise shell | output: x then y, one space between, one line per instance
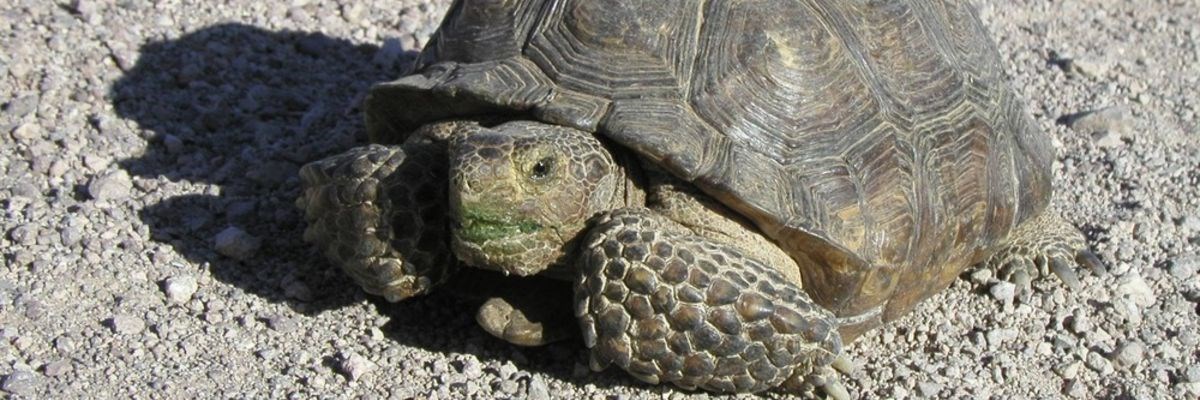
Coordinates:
875 141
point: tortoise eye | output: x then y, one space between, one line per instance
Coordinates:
542 168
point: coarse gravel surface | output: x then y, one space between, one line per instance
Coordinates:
150 247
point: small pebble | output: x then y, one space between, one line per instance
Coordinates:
1098 363
27 132
1136 289
355 366
1003 291
538 389
173 144
1129 355
111 186
236 243
298 290
929 389
127 324
280 323
21 383
1185 267
1106 125
1192 374
179 289
57 368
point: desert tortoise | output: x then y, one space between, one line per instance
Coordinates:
736 188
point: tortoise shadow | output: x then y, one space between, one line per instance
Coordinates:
233 110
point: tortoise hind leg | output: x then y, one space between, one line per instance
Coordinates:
666 305
1044 245
522 310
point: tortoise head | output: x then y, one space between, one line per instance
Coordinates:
522 192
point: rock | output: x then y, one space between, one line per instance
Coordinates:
981 276
1135 288
1075 389
236 243
1190 223
127 324
179 289
389 53
1003 291
115 185
1129 355
26 190
21 383
1184 267
1069 370
354 366
539 391
1081 322
1192 374
928 389
28 132
298 290
1107 125
509 387
57 368
173 144
282 323
999 336
1086 67
22 106
1098 363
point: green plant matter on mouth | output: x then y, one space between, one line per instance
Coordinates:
481 226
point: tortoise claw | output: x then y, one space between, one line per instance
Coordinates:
1065 272
1087 258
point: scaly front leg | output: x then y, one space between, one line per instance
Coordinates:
669 306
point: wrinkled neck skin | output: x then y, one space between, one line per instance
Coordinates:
522 194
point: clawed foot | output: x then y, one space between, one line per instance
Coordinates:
1039 248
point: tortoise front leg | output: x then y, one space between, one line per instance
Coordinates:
669 306
379 213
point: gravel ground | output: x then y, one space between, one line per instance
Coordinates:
150 247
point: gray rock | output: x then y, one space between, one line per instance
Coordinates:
539 391
57 368
282 323
355 366
127 324
1136 289
1184 267
173 144
1098 363
298 290
389 53
22 106
179 289
1106 125
1129 355
236 243
21 383
999 336
26 190
929 389
1075 389
1191 374
1003 291
114 185
28 132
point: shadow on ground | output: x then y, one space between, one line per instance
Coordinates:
234 111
